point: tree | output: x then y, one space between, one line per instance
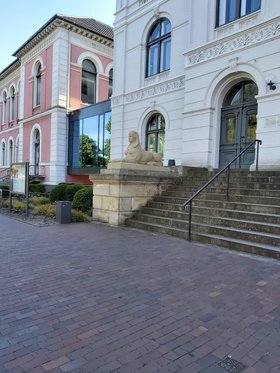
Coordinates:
88 152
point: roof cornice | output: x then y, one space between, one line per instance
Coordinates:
57 22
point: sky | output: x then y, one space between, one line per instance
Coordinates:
20 19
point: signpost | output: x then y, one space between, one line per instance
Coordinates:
19 176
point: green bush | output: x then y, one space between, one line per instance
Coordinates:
37 188
47 210
79 217
18 206
58 192
38 200
70 191
5 190
83 199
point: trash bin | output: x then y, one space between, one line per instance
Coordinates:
63 212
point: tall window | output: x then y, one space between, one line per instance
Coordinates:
88 88
3 155
12 104
4 108
110 87
229 10
11 151
159 47
38 85
155 132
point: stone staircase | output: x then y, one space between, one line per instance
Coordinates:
248 222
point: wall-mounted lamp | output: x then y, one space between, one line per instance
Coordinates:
271 85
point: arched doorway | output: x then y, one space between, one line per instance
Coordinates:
239 124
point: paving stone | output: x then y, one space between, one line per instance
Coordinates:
87 298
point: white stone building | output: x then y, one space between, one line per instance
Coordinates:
198 79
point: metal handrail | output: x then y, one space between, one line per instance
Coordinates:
227 167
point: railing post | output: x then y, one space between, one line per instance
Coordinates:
228 175
190 221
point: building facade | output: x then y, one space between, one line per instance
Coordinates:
65 66
199 80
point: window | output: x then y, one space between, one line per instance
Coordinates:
230 10
11 151
12 104
110 87
4 108
89 137
88 88
37 86
155 132
3 155
159 48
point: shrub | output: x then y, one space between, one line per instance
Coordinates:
83 199
70 191
58 193
78 217
47 210
37 188
18 206
36 200
5 190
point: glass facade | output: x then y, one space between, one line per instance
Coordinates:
89 137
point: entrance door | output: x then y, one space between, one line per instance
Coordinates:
238 125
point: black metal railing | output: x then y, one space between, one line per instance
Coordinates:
227 167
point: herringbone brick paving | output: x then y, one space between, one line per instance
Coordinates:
94 298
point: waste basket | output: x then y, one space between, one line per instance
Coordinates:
63 212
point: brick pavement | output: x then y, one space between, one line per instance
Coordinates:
94 298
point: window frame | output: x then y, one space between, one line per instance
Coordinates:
4 108
157 131
38 84
158 44
238 11
93 81
12 103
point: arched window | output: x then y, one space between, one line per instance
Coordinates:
159 47
12 104
37 150
110 87
11 151
88 88
4 108
155 132
38 85
3 155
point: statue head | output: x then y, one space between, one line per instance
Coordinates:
133 138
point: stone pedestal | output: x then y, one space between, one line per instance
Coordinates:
124 188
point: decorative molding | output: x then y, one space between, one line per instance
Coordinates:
244 39
156 90
143 2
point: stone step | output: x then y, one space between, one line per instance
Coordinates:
265 200
211 221
215 212
213 239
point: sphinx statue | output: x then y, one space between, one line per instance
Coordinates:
136 154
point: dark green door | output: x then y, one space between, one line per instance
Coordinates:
238 125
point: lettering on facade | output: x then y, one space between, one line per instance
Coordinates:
157 90
245 40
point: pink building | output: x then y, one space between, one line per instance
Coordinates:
66 65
